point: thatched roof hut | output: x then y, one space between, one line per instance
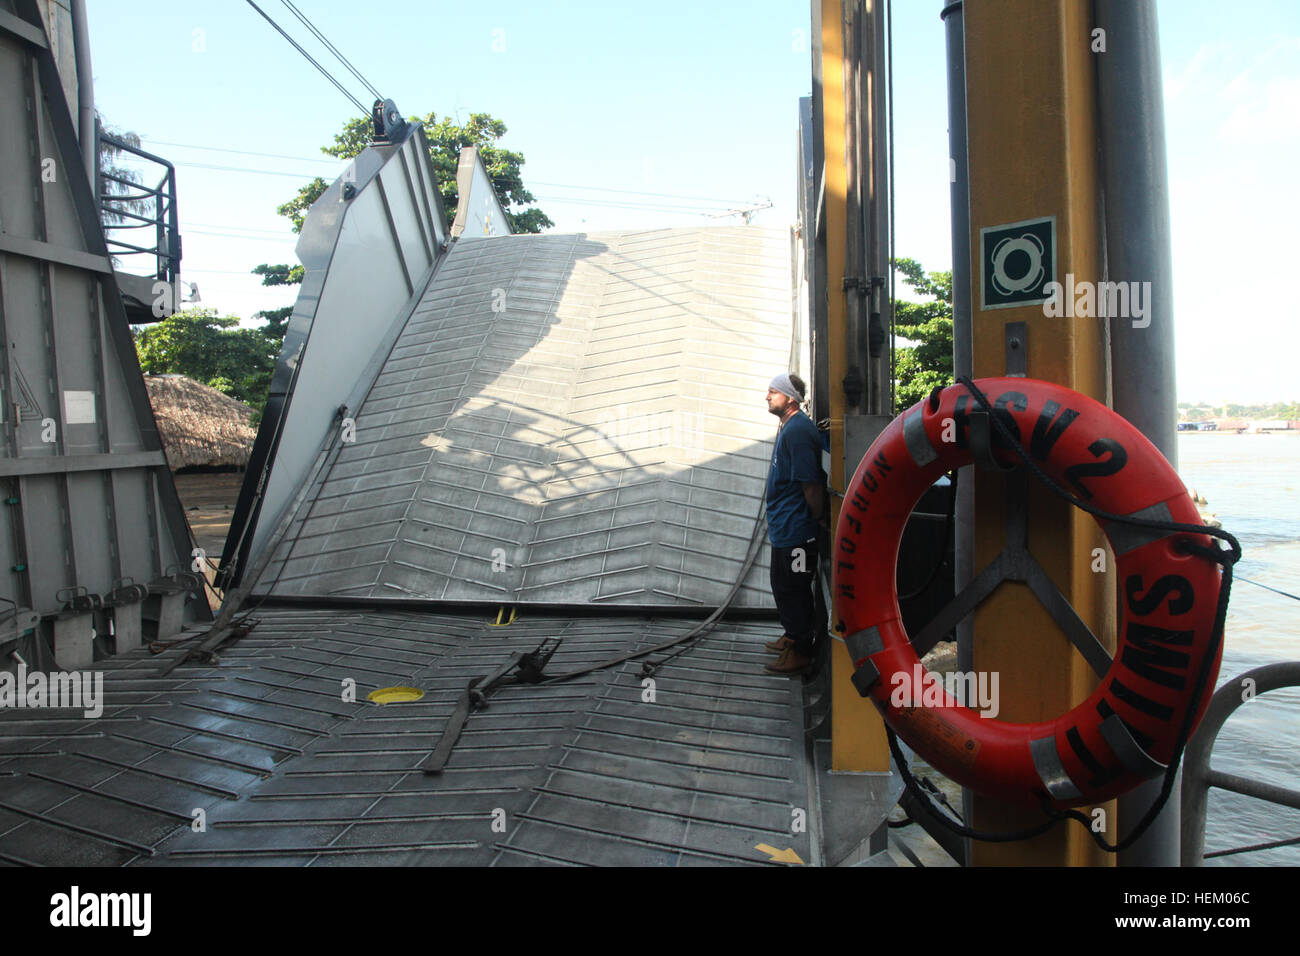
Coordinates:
199 425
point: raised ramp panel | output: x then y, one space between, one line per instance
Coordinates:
368 247
479 212
564 420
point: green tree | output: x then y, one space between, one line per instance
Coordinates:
211 349
277 321
116 196
927 362
446 139
282 274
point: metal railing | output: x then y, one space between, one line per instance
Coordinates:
1199 776
156 251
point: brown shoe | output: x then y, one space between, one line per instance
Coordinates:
779 645
790 663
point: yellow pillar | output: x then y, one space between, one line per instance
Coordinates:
858 740
1030 100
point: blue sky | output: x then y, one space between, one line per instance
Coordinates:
695 103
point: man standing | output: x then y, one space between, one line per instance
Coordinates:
795 498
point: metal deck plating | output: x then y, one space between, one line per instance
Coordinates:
287 772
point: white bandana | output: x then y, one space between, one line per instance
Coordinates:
786 387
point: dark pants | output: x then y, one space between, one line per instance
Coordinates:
794 574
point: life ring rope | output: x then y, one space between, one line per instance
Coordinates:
1137 519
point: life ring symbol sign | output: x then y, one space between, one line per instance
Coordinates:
1127 729
1017 260
1032 248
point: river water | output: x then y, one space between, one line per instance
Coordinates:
1252 485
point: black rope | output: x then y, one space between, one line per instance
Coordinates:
649 667
686 641
1225 558
941 797
1093 510
947 542
960 829
536 676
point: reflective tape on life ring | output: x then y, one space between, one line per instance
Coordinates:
1127 730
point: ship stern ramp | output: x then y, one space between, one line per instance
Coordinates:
480 445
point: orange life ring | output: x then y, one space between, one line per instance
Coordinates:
1127 730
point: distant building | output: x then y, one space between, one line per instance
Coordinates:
1231 424
1274 425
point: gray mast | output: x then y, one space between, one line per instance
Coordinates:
962 359
85 92
1136 182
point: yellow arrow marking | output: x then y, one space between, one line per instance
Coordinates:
779 856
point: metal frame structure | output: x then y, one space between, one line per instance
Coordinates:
142 303
91 506
369 246
850 268
479 209
1199 776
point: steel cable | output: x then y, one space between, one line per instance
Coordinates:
324 72
332 48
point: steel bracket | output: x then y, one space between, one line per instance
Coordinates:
1016 338
1016 563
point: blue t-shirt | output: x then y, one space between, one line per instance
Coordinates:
796 459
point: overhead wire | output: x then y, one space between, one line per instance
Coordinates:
247 169
633 192
665 208
282 233
311 159
279 240
674 208
310 59
242 152
332 48
221 272
612 204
